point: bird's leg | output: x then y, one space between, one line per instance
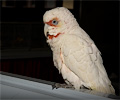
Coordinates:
67 86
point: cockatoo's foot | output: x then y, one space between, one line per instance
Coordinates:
58 85
83 87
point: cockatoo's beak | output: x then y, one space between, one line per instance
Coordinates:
46 32
49 35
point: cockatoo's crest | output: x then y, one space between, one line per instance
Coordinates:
58 12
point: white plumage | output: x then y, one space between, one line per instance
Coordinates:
74 53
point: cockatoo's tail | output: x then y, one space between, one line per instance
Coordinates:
74 53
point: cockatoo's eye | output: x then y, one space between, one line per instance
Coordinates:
54 22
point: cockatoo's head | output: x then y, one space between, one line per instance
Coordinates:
58 21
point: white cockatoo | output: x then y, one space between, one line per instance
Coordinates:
74 53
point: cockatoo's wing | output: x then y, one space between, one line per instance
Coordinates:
83 59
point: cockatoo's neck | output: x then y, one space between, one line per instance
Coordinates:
56 41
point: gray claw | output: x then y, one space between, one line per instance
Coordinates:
58 85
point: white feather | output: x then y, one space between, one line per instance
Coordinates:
75 54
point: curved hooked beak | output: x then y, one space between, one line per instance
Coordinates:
46 32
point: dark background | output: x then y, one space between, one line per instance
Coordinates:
24 50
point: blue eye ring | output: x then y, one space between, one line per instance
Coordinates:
54 22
